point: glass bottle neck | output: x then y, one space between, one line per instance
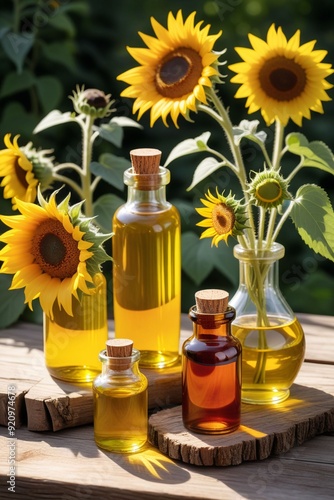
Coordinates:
147 190
212 324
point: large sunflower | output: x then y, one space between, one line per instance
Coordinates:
175 69
281 77
52 252
223 216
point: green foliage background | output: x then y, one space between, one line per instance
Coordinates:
49 46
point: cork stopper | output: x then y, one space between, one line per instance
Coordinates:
211 301
119 348
145 160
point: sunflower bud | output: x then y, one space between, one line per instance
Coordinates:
92 102
268 189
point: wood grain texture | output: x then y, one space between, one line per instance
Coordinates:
264 430
46 404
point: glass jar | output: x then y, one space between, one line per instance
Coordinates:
271 336
120 404
72 343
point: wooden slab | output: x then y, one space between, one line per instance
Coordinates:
264 430
43 403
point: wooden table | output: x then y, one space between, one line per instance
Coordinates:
67 464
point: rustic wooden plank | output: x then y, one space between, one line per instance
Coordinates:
44 403
55 405
68 465
264 430
319 332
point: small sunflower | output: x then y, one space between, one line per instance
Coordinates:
22 169
281 77
174 70
52 251
268 189
224 217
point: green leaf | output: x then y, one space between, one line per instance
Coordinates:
53 118
60 53
16 118
124 121
247 128
111 133
111 169
17 46
15 82
203 170
11 303
104 209
316 154
49 92
63 22
313 217
188 147
195 261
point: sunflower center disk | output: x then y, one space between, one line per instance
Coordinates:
269 191
282 79
178 73
223 219
54 249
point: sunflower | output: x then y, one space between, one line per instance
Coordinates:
52 252
174 70
22 169
19 181
281 77
224 217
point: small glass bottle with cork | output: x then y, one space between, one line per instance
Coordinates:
211 367
120 399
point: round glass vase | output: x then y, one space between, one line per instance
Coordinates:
72 343
272 339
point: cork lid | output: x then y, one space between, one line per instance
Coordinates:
118 349
145 160
211 301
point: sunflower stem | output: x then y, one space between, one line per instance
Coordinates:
87 148
278 145
225 122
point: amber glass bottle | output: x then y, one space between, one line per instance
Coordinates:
211 371
120 399
147 263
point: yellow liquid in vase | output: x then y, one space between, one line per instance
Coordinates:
271 358
147 282
72 344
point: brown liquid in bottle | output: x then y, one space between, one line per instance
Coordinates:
211 378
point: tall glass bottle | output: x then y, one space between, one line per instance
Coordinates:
120 399
147 263
211 367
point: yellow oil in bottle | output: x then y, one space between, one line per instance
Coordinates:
72 343
120 399
272 357
147 281
120 418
